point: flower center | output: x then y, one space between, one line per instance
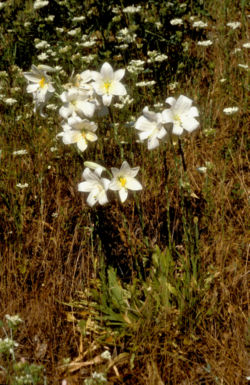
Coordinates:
123 181
42 82
177 119
106 86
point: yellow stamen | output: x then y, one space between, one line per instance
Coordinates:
107 85
177 118
42 82
123 181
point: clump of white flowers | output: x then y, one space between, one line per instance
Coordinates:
204 43
89 95
176 21
234 24
199 24
230 110
97 186
40 4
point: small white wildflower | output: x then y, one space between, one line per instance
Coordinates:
199 24
3 74
42 44
205 43
52 107
50 18
223 80
14 320
125 36
106 355
22 185
7 345
124 101
158 25
10 101
40 4
236 50
59 30
88 59
15 89
132 9
234 24
116 10
158 105
244 66
161 57
100 377
209 165
173 86
88 44
137 63
74 32
20 152
2 5
136 66
116 19
122 47
43 56
246 45
176 21
202 169
230 110
78 18
145 83
65 49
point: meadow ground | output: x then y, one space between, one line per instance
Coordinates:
153 290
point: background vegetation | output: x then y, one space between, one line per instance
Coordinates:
161 281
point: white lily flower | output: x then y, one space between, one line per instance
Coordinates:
95 166
124 180
181 114
79 131
76 101
151 128
107 83
96 187
39 83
